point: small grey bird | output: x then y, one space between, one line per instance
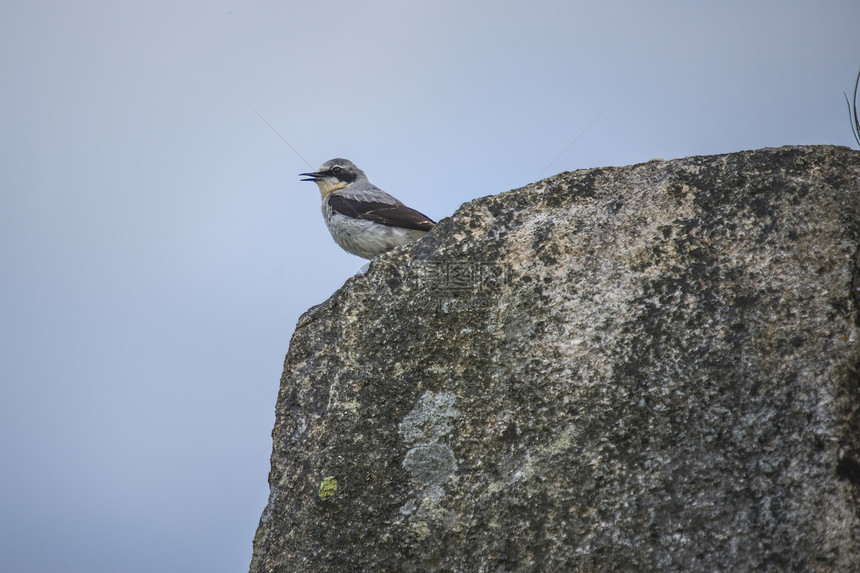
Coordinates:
362 218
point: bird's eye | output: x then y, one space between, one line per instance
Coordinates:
337 169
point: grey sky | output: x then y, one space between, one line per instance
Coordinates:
157 247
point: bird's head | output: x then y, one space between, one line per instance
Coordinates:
334 174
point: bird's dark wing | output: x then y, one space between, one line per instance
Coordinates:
396 215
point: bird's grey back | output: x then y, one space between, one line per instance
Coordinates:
364 190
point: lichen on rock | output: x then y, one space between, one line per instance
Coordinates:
328 488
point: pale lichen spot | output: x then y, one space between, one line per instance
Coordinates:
328 487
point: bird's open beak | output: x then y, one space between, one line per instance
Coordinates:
310 176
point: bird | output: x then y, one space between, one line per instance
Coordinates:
362 218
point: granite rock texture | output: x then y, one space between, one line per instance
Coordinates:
653 367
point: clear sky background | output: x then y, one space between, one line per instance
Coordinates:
157 247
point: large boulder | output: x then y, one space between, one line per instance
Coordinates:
651 367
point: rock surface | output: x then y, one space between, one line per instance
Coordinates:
651 367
